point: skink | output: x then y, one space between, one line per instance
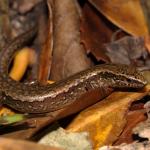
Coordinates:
46 98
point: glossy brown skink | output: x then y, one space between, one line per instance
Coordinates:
38 98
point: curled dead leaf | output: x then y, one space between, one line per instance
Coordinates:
128 15
69 56
94 33
46 51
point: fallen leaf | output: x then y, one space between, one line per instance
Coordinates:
145 5
107 117
124 146
10 119
128 15
67 140
5 111
5 25
128 50
69 56
25 6
18 69
133 118
95 32
42 43
6 144
46 52
143 128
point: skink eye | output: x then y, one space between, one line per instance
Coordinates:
129 80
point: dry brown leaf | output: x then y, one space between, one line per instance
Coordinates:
69 56
46 52
105 120
128 50
95 32
145 5
132 146
5 26
133 118
9 144
143 128
126 14
147 43
25 6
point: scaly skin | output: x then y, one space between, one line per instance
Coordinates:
46 98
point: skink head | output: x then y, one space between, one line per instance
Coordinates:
123 76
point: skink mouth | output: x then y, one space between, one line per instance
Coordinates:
137 83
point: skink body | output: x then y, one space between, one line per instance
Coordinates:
46 98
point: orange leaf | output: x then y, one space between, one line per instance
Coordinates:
105 120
